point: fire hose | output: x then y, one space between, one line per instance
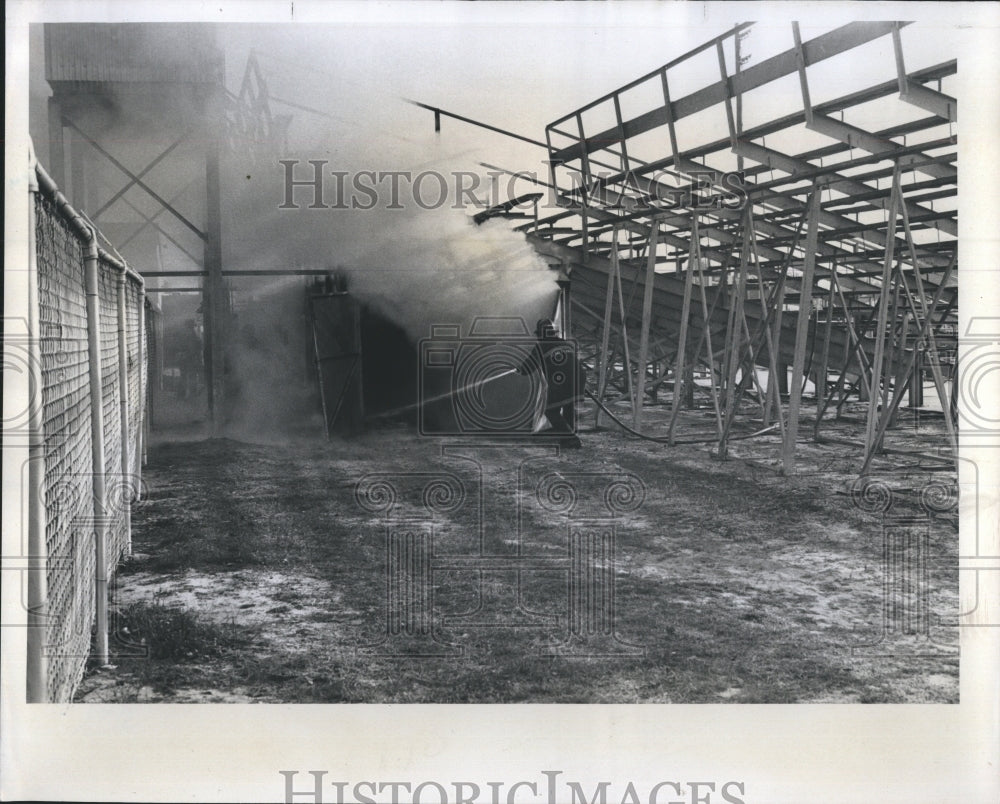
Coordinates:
601 405
664 440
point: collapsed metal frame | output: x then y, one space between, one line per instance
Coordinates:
880 295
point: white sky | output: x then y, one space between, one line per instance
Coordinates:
521 77
518 72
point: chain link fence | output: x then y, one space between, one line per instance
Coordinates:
85 503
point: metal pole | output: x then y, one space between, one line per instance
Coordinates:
935 364
823 370
609 296
693 257
622 315
924 329
140 451
777 381
856 345
123 399
707 333
37 662
77 170
801 334
100 520
733 333
901 380
889 368
57 143
214 288
883 312
765 326
917 383
158 385
647 312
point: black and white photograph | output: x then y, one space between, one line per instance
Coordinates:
607 355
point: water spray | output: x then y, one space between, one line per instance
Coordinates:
470 387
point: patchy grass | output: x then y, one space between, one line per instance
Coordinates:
173 634
257 577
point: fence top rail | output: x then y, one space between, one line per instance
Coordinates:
83 227
112 261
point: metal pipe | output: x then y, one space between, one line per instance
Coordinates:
123 400
91 262
37 663
49 187
140 450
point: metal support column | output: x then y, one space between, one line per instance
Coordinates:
77 171
694 257
214 288
57 146
609 297
647 314
871 445
801 335
123 407
733 332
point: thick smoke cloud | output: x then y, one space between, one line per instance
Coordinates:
416 266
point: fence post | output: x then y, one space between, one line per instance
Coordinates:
100 519
143 369
123 400
37 664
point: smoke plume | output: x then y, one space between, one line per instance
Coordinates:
417 267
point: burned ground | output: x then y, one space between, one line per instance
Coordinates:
257 576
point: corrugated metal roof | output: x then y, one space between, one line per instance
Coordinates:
163 52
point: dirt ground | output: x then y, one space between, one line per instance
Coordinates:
262 572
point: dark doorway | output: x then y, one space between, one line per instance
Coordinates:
389 374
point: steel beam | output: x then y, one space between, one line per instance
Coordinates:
944 106
647 312
694 258
822 47
160 157
609 298
139 182
801 335
734 330
884 419
883 311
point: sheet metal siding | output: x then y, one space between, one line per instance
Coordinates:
162 52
